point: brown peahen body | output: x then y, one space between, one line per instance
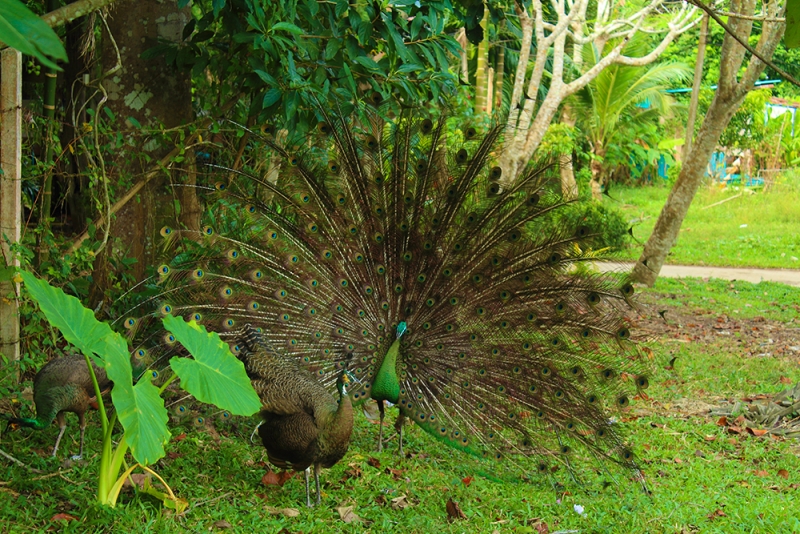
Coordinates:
303 424
390 249
64 385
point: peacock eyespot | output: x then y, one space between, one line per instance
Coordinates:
527 346
494 189
324 128
198 273
305 199
642 382
197 317
163 270
480 311
495 173
273 235
207 230
559 394
371 142
608 374
622 401
220 186
514 236
457 247
256 275
482 372
532 200
591 399
398 288
555 342
477 278
353 230
560 307
312 228
495 352
166 309
462 156
554 258
165 231
421 165
545 371
407 256
470 132
462 355
531 317
601 433
447 272
623 333
250 208
439 347
430 303
564 449
427 245
627 290
586 333
327 254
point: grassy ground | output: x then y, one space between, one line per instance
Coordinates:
718 342
753 230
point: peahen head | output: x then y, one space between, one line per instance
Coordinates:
343 382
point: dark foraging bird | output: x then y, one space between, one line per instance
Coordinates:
63 385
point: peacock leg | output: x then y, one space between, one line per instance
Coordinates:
380 425
308 489
62 425
317 469
398 425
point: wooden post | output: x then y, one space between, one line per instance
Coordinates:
10 196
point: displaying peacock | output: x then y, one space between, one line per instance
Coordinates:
63 385
302 423
388 247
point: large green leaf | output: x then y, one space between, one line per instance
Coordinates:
20 28
214 375
140 409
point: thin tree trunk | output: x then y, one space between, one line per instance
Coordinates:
498 79
482 72
597 171
461 37
569 187
698 77
49 105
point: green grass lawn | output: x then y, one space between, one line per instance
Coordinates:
725 341
761 229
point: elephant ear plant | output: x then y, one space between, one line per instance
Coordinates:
214 376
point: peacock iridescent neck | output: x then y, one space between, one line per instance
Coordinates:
386 386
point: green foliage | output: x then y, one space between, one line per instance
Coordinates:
559 140
285 56
20 28
747 128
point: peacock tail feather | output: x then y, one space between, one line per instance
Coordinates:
389 248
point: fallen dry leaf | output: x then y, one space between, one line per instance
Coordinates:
374 462
467 481
722 421
63 517
271 478
222 524
397 474
179 437
783 473
757 431
288 512
400 503
347 514
785 380
710 438
539 525
716 513
761 473
454 510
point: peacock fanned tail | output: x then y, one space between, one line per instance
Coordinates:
508 348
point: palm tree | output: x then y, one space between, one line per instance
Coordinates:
620 97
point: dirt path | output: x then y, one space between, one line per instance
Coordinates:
784 276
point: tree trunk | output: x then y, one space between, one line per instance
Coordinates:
698 77
596 166
148 91
498 78
727 99
569 186
482 71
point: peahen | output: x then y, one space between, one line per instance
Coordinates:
388 247
302 423
63 385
